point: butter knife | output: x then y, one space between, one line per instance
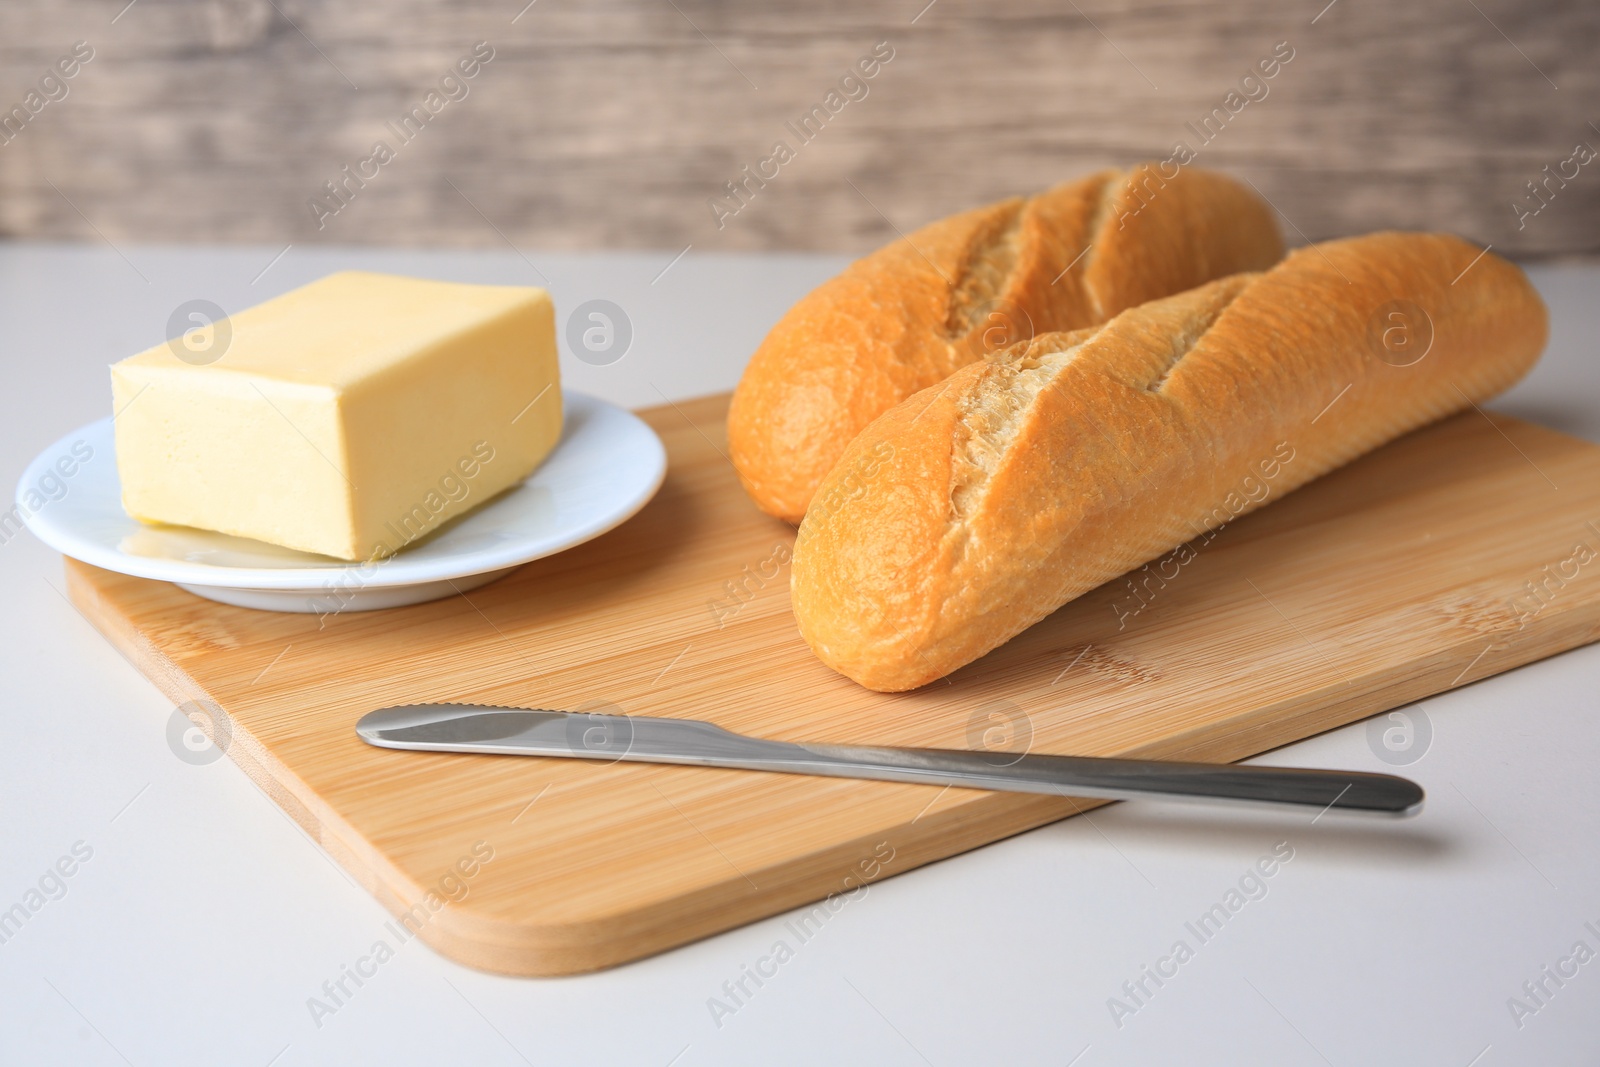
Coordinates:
610 738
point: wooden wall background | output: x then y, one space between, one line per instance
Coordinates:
609 124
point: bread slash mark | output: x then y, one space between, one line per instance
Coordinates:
984 272
1099 215
1221 294
997 406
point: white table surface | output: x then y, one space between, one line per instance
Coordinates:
205 919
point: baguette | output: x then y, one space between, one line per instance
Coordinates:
979 506
910 314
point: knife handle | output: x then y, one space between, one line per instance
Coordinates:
1133 779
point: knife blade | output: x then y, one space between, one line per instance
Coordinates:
537 732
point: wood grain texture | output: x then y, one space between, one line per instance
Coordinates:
611 124
1385 582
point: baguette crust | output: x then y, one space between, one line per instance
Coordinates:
907 316
983 504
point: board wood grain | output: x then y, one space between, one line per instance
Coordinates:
1406 573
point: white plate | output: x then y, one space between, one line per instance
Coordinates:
606 467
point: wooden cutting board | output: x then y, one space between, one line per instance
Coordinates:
1397 577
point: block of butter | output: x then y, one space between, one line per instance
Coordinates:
349 417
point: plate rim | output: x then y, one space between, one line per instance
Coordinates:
383 574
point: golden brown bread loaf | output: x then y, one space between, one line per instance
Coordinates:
910 314
976 508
